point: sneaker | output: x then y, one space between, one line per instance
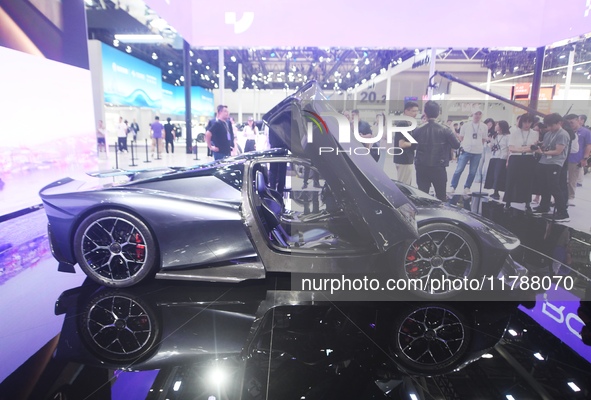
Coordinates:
305 186
540 211
561 217
452 190
467 191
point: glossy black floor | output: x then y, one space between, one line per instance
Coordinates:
63 338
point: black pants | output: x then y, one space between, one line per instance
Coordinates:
170 140
122 141
277 173
436 176
548 177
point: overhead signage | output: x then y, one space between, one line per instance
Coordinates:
173 101
129 81
238 23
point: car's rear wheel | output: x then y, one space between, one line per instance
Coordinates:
115 248
430 338
119 327
440 259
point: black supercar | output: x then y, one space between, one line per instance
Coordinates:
222 222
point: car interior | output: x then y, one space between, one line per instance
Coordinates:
303 219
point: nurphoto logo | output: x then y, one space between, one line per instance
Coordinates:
349 130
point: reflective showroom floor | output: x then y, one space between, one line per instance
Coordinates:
62 337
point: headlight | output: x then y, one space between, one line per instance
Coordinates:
510 243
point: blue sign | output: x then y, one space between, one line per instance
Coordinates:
173 100
170 99
129 81
201 101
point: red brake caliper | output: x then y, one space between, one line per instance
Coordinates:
140 248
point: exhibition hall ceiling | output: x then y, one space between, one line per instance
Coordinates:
307 43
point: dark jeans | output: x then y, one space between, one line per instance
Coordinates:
219 155
277 173
122 141
170 140
548 176
436 176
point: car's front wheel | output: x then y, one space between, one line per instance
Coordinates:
439 260
115 248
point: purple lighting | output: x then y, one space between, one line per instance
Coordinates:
454 23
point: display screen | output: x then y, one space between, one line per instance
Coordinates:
421 23
173 100
48 127
129 81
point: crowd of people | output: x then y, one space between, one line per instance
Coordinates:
544 158
534 161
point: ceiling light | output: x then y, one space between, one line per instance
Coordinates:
367 61
509 397
264 58
512 332
373 75
177 386
574 387
289 54
191 53
356 61
320 58
128 49
154 56
116 43
216 85
579 68
199 61
539 356
356 69
182 78
207 67
170 63
562 56
170 71
363 80
293 68
348 75
487 355
196 71
133 38
413 397
233 58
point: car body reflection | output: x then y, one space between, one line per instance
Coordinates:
252 341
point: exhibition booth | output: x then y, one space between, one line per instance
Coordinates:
229 315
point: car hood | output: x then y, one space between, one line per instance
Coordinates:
305 123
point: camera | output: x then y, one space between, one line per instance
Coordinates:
534 147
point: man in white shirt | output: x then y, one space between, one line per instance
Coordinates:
122 135
472 137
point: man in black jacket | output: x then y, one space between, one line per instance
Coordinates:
433 152
220 136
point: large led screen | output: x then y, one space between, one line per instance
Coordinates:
129 81
173 100
48 127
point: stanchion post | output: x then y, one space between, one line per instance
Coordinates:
196 150
147 155
116 156
133 164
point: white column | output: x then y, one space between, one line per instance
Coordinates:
569 72
240 93
388 88
488 80
221 80
432 63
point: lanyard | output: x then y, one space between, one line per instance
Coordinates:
526 138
